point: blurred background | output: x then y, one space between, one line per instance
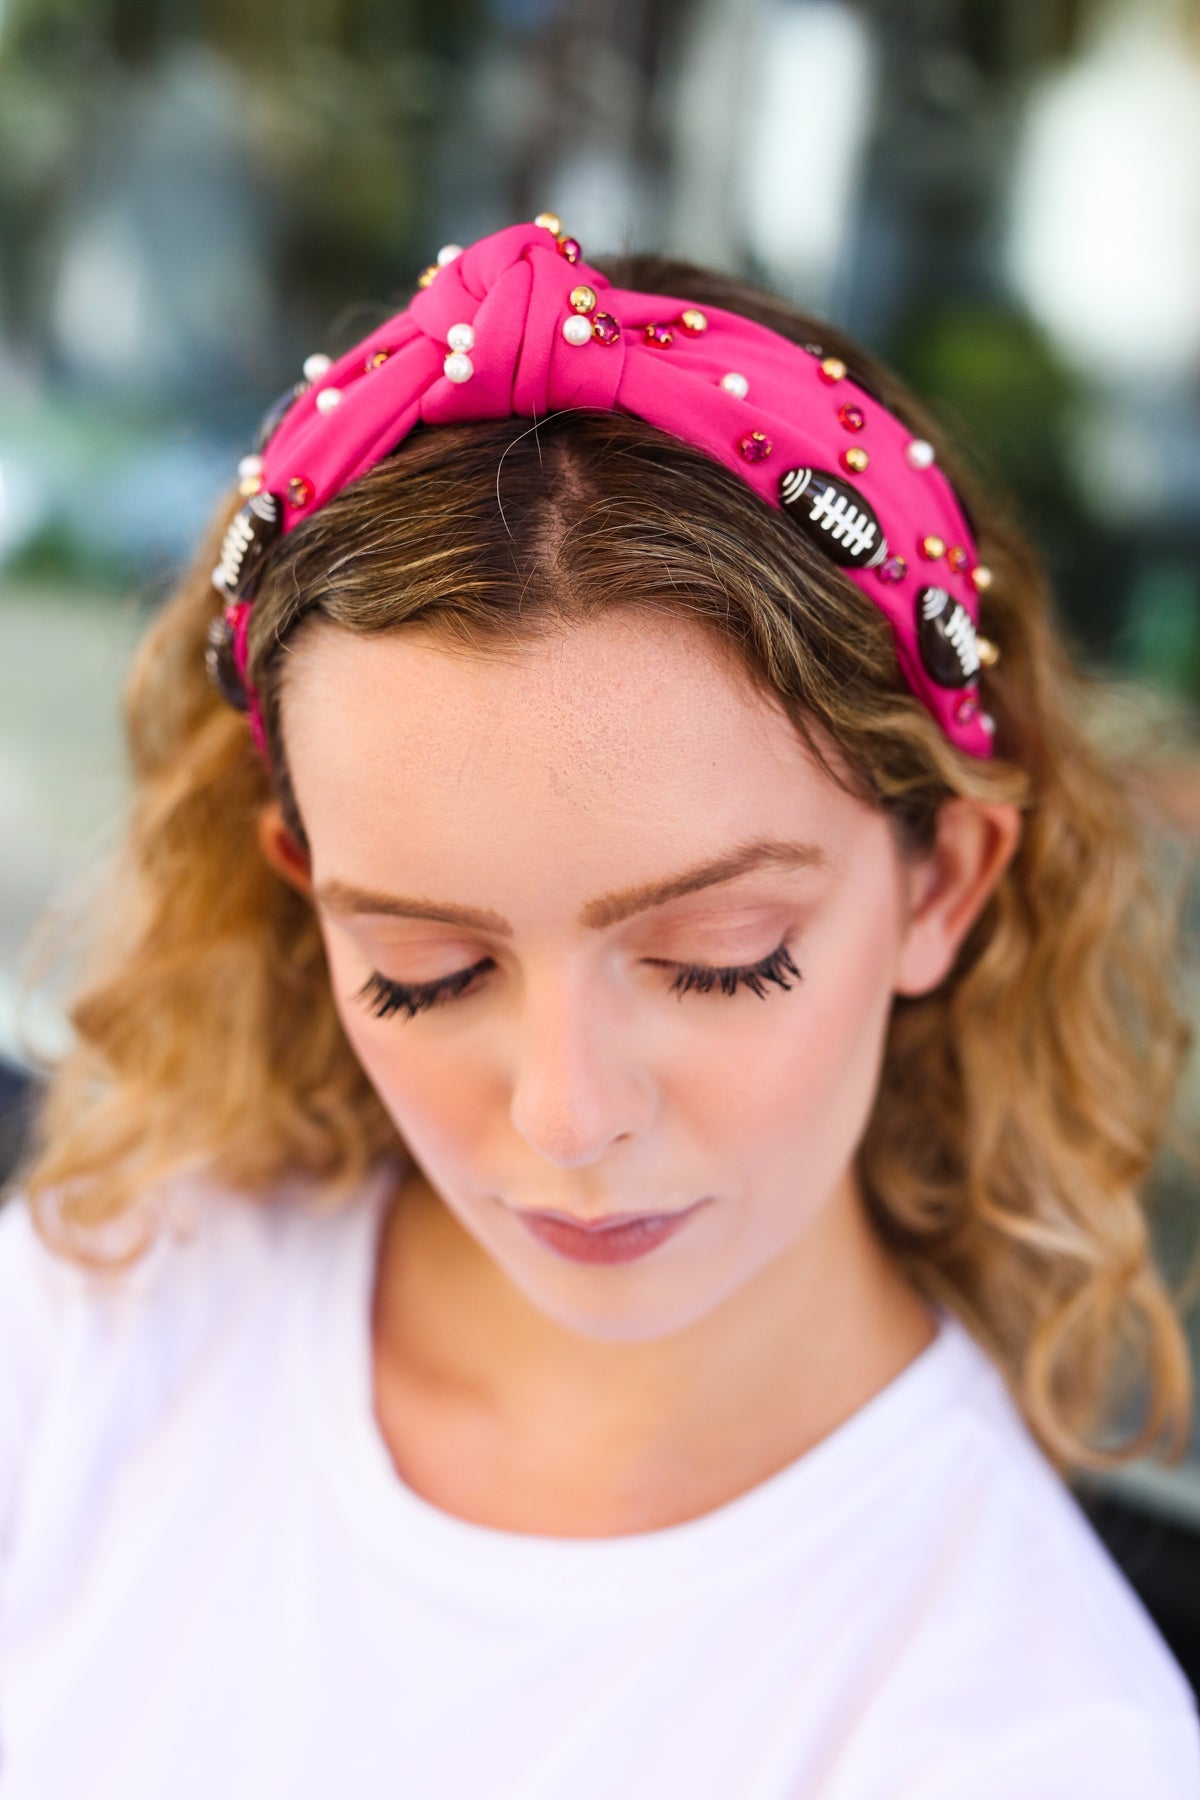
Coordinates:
1001 197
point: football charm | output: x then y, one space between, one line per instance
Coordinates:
835 515
250 534
221 666
946 638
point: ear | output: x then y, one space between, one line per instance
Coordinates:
280 849
948 889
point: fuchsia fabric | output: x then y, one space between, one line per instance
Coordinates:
513 288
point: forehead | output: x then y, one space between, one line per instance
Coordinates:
629 721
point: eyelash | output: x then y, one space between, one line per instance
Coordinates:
383 997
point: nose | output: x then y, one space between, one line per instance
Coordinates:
577 1086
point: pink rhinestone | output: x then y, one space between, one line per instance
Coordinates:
957 558
892 568
570 248
852 417
605 327
659 335
299 491
755 447
966 710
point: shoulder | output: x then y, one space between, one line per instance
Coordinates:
196 1230
1104 1751
95 1354
30 1295
1039 1639
1088 1627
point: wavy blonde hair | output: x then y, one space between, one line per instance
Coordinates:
1021 1105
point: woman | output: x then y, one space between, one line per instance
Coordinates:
534 829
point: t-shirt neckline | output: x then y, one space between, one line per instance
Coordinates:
523 1573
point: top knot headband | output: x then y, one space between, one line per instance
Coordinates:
518 325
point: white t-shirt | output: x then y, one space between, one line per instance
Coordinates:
214 1584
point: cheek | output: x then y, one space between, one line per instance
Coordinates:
839 1049
801 1072
431 1085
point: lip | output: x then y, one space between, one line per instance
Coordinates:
617 1238
605 1223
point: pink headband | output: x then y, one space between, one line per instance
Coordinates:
517 325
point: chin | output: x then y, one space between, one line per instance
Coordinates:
636 1312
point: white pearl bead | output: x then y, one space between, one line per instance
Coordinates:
919 454
458 367
733 383
328 398
447 254
461 337
577 329
250 465
316 365
988 723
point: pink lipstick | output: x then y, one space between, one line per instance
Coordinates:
630 1237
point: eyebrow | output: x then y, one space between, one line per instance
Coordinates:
342 898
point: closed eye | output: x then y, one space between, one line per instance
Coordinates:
382 996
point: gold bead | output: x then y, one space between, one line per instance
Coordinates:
933 547
855 459
982 577
428 275
833 369
250 485
988 653
692 319
549 222
583 299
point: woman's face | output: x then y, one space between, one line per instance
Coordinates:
515 813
